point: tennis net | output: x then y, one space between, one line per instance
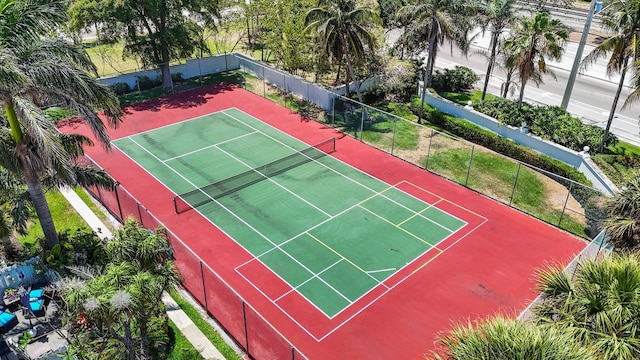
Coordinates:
200 196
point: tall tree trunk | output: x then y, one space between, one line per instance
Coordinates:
612 112
521 96
495 35
507 83
429 68
339 68
167 82
32 178
36 192
144 339
353 77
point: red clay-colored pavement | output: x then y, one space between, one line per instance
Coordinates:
488 268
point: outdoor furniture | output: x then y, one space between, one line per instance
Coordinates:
36 302
7 320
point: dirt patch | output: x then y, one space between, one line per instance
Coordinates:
555 197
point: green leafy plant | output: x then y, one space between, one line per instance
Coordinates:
461 78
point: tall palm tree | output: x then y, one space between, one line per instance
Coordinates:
343 28
599 304
121 305
38 71
496 15
532 42
504 339
622 18
623 222
429 23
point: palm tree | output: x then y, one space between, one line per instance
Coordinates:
497 15
533 41
599 304
121 305
622 18
38 71
623 223
343 29
430 23
504 339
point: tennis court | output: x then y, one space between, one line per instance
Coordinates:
330 231
303 250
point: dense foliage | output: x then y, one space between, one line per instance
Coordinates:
549 122
458 79
113 307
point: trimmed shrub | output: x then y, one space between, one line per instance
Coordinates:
461 78
177 77
146 83
120 88
549 122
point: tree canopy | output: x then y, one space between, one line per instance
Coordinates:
154 31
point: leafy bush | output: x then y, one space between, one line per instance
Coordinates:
120 88
146 83
549 122
81 247
55 114
461 78
177 77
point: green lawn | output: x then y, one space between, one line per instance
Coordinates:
205 327
463 98
495 176
182 348
64 217
86 198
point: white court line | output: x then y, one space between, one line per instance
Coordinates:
275 182
381 270
275 304
244 222
309 279
167 125
334 170
210 146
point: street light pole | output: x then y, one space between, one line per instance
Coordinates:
578 58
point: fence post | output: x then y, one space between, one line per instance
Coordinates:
466 181
226 67
333 113
115 189
426 162
204 289
361 122
246 331
264 83
139 213
515 183
393 137
564 208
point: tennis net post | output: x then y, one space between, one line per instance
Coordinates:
200 196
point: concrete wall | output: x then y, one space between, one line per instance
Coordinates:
190 69
578 160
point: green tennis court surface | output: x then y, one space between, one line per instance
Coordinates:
330 231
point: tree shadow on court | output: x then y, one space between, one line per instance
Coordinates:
182 100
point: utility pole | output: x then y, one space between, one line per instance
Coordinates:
578 58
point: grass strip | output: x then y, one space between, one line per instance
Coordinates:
182 349
227 351
86 198
64 216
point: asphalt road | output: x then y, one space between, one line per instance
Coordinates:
592 95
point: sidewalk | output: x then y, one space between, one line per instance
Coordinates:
182 321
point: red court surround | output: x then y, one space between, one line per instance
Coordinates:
488 268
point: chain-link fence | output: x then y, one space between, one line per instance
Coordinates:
243 322
565 203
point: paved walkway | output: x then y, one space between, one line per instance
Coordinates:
182 321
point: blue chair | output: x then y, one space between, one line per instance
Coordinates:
7 320
36 294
